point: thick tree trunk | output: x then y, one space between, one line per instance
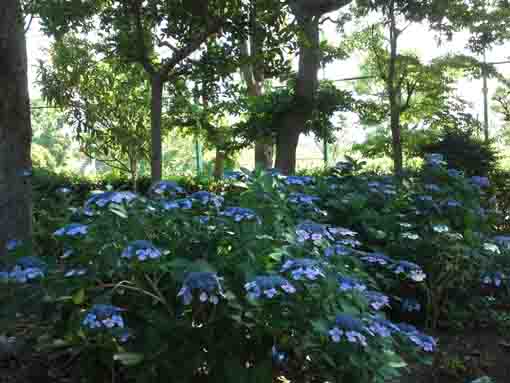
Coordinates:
15 128
156 134
394 96
306 87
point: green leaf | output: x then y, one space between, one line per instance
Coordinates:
128 358
79 297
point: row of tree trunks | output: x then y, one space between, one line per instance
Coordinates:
15 128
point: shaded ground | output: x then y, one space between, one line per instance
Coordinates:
464 357
461 358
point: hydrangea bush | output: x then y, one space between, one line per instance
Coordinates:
302 277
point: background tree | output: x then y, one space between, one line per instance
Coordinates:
106 102
15 128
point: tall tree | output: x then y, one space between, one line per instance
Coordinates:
15 127
397 16
308 15
106 102
161 35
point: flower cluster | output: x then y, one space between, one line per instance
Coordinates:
424 342
349 328
183 203
268 286
339 250
234 175
72 230
25 270
377 259
303 199
434 159
167 188
104 199
493 279
206 198
102 316
350 284
481 182
410 305
205 285
410 270
298 180
13 244
303 268
381 327
240 214
377 300
312 231
141 250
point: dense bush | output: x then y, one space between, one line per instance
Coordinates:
464 150
272 276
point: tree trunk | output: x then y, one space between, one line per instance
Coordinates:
394 96
219 164
133 169
306 87
156 135
15 128
253 75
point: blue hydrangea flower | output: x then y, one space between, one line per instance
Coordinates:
503 241
377 259
432 188
25 270
240 214
440 228
492 248
482 182
425 198
64 190
278 357
410 270
410 305
350 284
424 342
206 198
410 235
455 173
168 188
342 232
303 199
268 286
78 272
377 300
304 268
382 327
205 285
349 242
339 250
104 199
298 180
12 244
72 230
434 159
234 175
183 203
102 316
309 230
349 328
141 250
493 279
